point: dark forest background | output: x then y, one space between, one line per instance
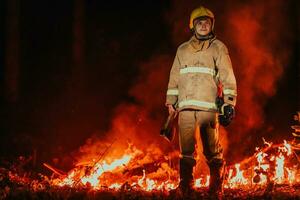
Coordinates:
65 66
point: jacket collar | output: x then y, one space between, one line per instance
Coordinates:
200 45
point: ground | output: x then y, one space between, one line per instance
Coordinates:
19 191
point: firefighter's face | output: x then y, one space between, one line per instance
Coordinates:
203 26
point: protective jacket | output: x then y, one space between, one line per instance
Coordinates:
197 70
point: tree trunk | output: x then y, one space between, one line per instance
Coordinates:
78 75
11 68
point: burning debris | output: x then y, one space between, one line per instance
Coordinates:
271 164
272 170
119 172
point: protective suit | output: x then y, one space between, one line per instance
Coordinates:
196 71
199 67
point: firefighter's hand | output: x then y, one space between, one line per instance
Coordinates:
227 114
171 108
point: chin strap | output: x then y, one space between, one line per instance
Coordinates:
211 35
202 44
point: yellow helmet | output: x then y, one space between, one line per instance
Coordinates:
201 12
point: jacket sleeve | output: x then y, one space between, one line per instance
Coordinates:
226 75
172 92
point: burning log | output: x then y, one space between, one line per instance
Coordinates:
150 167
54 170
270 146
249 161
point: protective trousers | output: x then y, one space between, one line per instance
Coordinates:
208 124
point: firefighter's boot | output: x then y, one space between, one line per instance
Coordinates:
186 176
216 168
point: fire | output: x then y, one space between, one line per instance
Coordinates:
151 170
279 169
291 176
146 183
200 182
95 172
287 148
104 167
261 168
115 186
102 173
238 179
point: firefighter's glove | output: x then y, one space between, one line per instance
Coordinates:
226 115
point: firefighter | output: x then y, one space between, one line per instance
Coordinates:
202 88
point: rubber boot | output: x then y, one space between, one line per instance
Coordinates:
216 168
186 176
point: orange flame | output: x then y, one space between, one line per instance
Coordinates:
271 165
238 179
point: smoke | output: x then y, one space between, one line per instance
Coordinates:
260 54
258 49
138 122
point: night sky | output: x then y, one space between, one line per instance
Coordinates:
75 61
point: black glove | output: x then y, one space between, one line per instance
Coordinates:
226 115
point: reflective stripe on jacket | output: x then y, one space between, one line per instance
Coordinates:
195 74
